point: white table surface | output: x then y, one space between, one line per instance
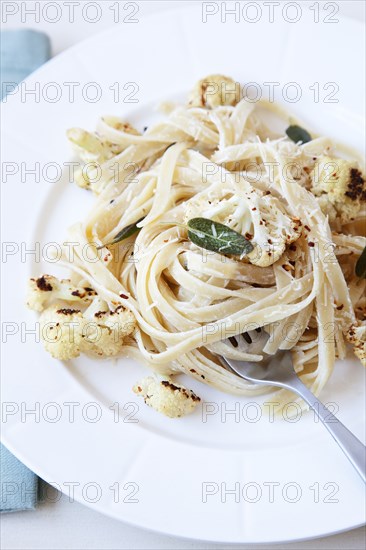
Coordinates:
70 525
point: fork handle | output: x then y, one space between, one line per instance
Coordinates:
352 447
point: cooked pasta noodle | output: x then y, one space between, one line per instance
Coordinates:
230 164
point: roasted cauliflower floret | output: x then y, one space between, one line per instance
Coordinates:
107 329
94 150
260 218
47 288
67 332
121 125
62 332
340 188
92 147
215 90
273 230
89 146
166 397
356 336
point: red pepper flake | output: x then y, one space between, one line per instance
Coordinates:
124 296
311 243
340 307
307 227
254 208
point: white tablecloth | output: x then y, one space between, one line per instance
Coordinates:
66 525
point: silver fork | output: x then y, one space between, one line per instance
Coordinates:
277 370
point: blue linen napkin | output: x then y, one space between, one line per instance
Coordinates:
19 485
21 53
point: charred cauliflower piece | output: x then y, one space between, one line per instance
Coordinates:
46 288
273 230
258 217
75 320
121 125
67 332
215 90
340 188
357 337
61 332
93 150
106 330
88 146
92 147
166 397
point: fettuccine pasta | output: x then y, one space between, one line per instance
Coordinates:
298 199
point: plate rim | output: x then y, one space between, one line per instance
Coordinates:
7 440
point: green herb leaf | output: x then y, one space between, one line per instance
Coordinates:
296 134
123 234
217 237
361 265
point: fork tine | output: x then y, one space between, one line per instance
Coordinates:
247 337
249 342
233 341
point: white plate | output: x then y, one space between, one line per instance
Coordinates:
290 480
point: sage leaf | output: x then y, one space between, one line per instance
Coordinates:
296 134
123 234
361 265
217 237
